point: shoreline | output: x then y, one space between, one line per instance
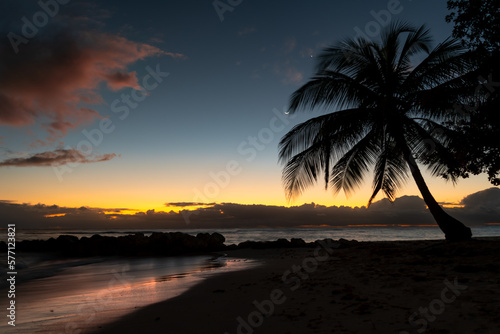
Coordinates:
378 287
106 289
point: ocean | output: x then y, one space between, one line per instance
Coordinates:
235 236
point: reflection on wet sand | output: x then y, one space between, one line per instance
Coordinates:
81 298
211 264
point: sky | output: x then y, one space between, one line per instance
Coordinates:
124 108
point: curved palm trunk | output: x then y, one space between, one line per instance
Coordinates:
453 229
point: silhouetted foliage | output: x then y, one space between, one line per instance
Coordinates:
477 24
390 113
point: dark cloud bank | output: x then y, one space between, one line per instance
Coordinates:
478 209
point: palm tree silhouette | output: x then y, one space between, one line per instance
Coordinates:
390 114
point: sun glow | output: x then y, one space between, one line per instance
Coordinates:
121 212
55 215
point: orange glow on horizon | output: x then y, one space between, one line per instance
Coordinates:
416 225
390 225
450 206
370 225
317 226
55 215
121 212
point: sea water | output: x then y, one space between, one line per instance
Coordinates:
235 235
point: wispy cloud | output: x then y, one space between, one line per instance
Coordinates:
287 66
289 73
292 76
246 31
307 53
118 80
290 44
57 157
175 55
187 204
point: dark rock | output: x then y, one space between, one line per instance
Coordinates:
282 243
462 268
297 242
68 243
157 244
66 239
218 238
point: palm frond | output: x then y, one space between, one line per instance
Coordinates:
391 172
429 141
391 44
341 129
342 56
330 89
309 148
302 170
348 173
445 62
438 102
417 41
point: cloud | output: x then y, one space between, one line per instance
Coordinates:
57 157
56 77
176 55
482 207
41 216
292 76
411 204
290 44
307 53
156 39
118 80
288 72
246 31
406 211
187 204
488 199
52 216
52 77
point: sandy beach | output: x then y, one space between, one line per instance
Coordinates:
365 287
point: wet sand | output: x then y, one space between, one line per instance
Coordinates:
73 295
372 287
